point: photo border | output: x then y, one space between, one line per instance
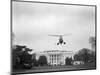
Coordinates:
57 4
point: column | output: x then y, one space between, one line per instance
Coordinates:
52 59
56 60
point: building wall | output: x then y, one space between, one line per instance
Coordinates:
55 57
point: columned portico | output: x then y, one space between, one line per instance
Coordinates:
54 59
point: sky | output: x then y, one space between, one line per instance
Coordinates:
33 22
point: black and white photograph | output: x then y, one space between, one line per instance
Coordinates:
52 37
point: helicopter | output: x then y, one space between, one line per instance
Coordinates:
61 41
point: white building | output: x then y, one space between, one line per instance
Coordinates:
55 57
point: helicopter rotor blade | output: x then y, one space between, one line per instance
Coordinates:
54 35
67 34
60 35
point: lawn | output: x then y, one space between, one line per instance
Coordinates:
55 68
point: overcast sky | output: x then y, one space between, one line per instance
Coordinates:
33 22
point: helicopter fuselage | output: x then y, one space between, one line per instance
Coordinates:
61 41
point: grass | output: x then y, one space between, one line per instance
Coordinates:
56 68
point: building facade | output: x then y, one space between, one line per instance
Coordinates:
55 57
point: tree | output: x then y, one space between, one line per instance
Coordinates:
92 41
34 61
25 57
20 56
85 55
42 60
16 52
68 61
